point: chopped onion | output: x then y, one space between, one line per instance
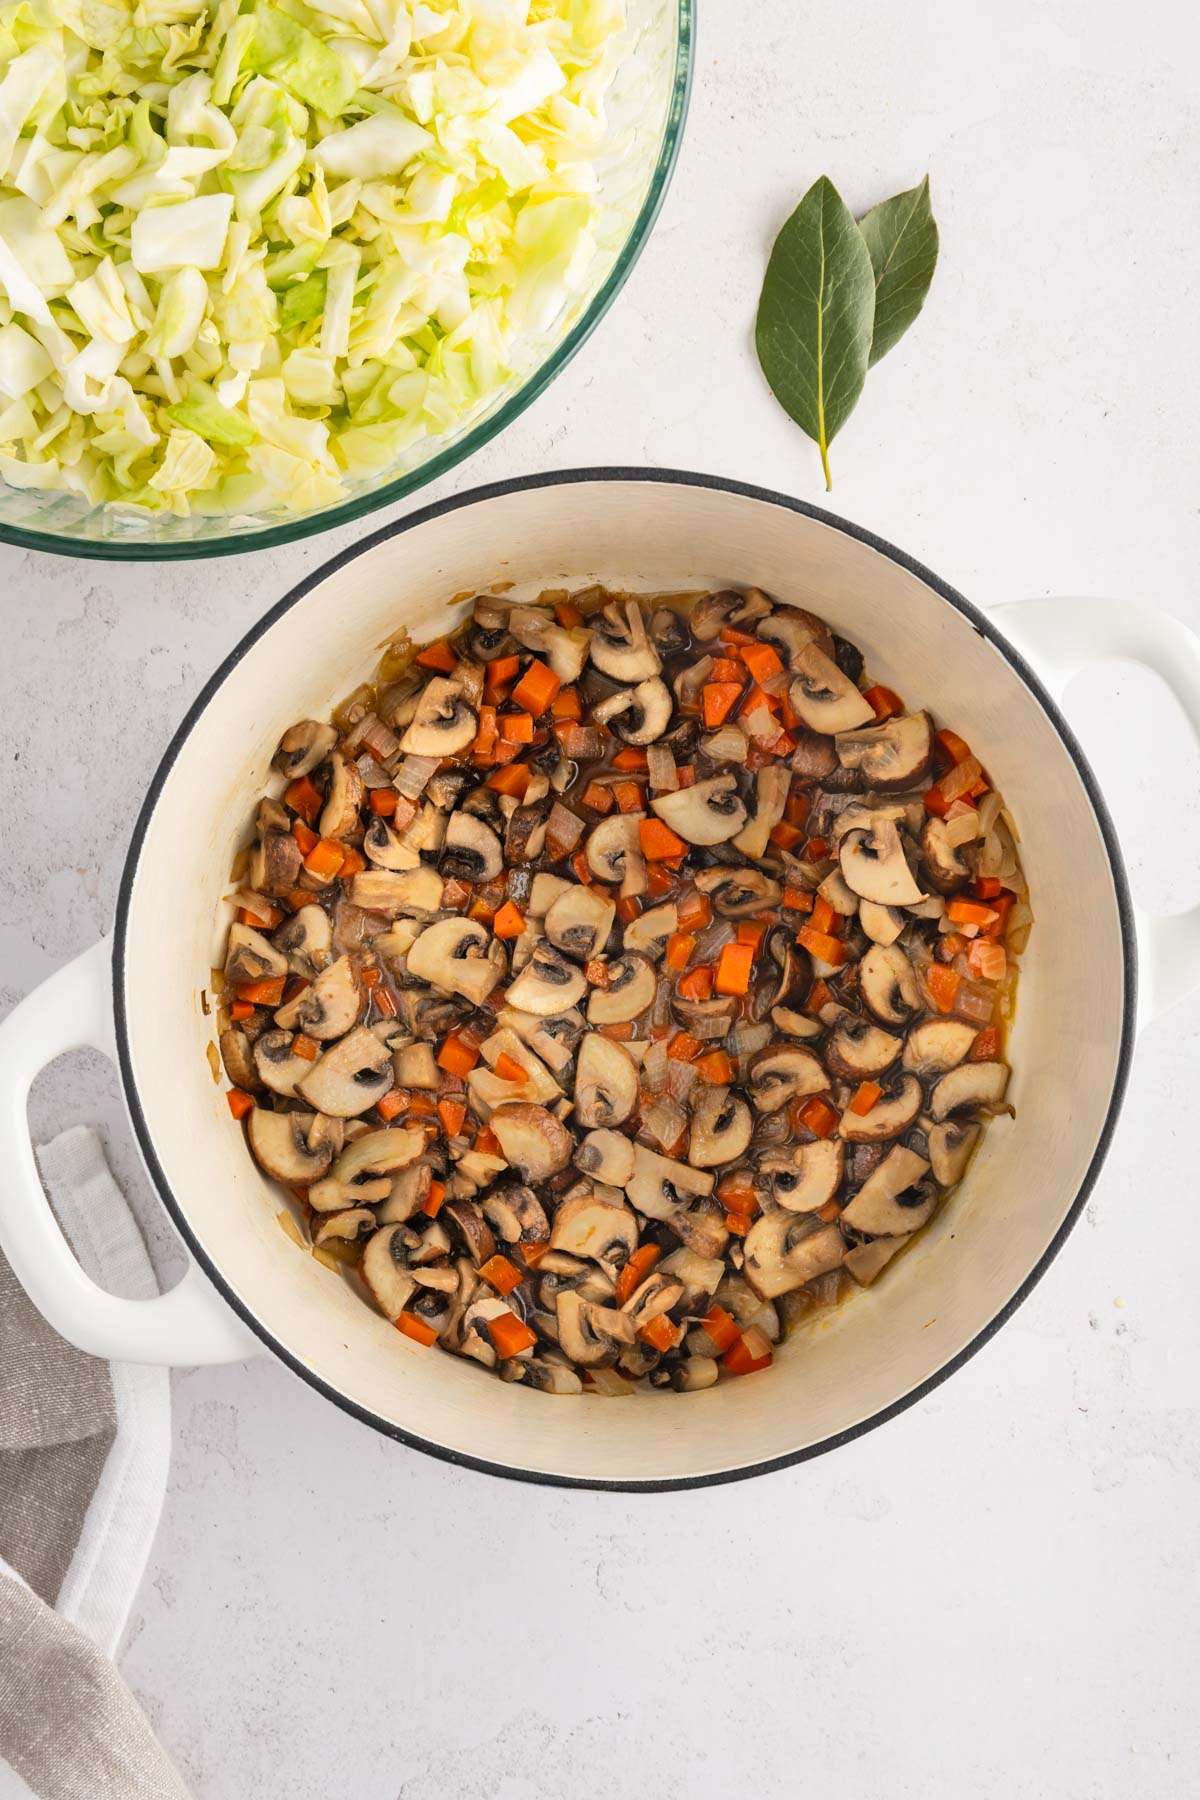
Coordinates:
747 1039
727 745
681 1078
609 1383
563 828
654 1067
414 775
962 828
664 1119
660 1013
374 776
688 685
660 766
713 939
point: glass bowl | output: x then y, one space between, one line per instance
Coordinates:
646 108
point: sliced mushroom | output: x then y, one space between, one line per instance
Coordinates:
548 984
785 1072
614 853
407 1195
709 812
606 1082
646 715
708 616
720 1129
784 1252
275 863
602 1232
452 955
535 1143
653 1297
649 932
882 924
607 1155
238 1058
579 921
351 1076
950 1147
348 1226
276 1066
866 1262
346 793
415 893
892 1114
938 1045
875 867
619 645
892 757
823 698
857 1050
544 891
541 1373
252 957
302 747
284 1146
659 1184
632 985
591 1334
328 1007
415 1066
471 850
700 1227
893 1201
888 984
525 834
813 1177
443 724
735 893
971 1084
383 1269
944 861
475 1338
307 940
772 785
565 648
516 1214
792 630
694 1374
469 1231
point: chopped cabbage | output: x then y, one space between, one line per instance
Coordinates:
250 252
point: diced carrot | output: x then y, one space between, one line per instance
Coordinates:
715 1067
566 704
816 849
628 908
679 950
694 910
734 969
826 949
756 698
738 1224
721 1327
747 1356
384 1003
371 978
970 912
752 932
421 1106
733 634
533 1251
829 1212
987 887
630 797
684 1047
516 728
762 661
384 802
267 992
799 805
955 747
986 1047
509 922
636 1271
438 656
727 668
1002 905
797 900
458 1055
512 780
241 1009
325 859
823 917
503 1275
419 1330
392 1104
865 1096
240 1102
785 836
661 1333
943 983
304 1046
630 760
582 869
307 840
502 670
434 1199
697 983
818 1117
262 915
883 702
598 798
620 1033
485 736
720 698
508 1068
353 863
536 688
936 802
510 1335
819 995
987 960
658 841
304 797
453 1114
687 774
567 614
660 879
738 1194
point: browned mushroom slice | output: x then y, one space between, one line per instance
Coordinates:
700 1227
470 1233
875 867
348 1226
443 724
383 1269
602 1232
328 1007
277 1066
784 1252
720 1130
642 716
251 956
471 851
535 1143
606 1082
937 1045
653 1297
785 1072
882 924
736 892
619 645
659 1184
614 853
888 984
452 955
693 1374
352 1075
238 1057
892 1114
548 984
415 893
346 794
772 785
407 1195
283 1145
792 630
384 847
516 1214
525 834
891 757
857 1050
823 698
796 1024
606 1156
648 933
591 1334
944 862
631 988
302 747
895 1200
307 940
971 1084
709 812
544 891
275 863
565 648
541 1373
379 1153
950 1147
579 921
812 1178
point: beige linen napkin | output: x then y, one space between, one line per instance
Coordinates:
84 1450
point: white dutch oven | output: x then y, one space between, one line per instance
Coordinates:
138 996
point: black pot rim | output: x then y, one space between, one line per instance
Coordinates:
678 478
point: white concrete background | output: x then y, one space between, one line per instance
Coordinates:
997 1593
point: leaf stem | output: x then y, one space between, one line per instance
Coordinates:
824 449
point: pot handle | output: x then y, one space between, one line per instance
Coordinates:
1060 637
188 1325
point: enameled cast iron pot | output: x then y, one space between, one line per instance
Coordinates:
138 995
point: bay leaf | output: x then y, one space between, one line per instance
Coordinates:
902 237
815 316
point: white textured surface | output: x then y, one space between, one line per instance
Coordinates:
995 1594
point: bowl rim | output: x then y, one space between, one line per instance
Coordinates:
349 511
668 477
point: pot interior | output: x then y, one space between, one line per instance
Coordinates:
848 1365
